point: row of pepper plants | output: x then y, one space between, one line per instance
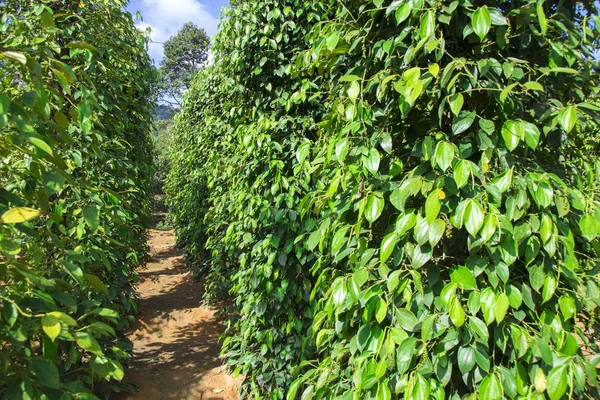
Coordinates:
402 197
75 155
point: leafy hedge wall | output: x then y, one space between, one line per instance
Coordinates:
75 103
392 192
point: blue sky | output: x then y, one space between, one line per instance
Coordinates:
166 17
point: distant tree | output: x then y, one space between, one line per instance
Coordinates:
163 112
185 54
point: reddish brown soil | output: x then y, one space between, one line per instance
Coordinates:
175 346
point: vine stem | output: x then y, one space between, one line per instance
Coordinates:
23 313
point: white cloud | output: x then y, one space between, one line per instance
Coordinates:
166 17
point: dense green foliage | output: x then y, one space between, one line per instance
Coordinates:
75 122
394 194
185 53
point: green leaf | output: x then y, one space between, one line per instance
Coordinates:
406 319
427 26
436 231
372 161
481 22
405 222
473 216
406 350
466 359
341 149
421 388
77 44
478 326
550 285
567 305
19 214
387 246
340 292
338 239
463 122
432 206
420 256
457 314
308 393
463 277
293 389
589 227
46 372
403 12
456 103
491 388
47 20
444 154
488 301
353 289
567 117
53 182
504 180
532 134
353 90
501 308
313 240
512 132
556 385
546 228
381 311
489 227
383 391
332 41
374 207
542 17
51 326
106 313
532 85
302 152
462 173
91 217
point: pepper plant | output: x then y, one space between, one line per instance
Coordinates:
392 192
75 117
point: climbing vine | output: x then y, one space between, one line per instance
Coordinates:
391 191
75 102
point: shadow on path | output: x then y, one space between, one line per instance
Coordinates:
175 346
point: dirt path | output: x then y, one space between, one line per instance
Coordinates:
175 348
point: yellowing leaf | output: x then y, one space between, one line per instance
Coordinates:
96 283
51 326
64 318
15 55
19 214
